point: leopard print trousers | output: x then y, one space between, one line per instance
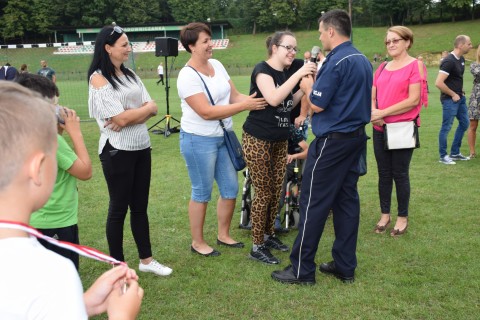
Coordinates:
266 162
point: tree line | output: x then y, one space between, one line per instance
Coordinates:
24 21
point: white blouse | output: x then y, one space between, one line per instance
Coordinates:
106 102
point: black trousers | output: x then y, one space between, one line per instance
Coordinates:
329 182
392 165
69 234
128 179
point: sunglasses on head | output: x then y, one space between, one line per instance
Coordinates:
116 29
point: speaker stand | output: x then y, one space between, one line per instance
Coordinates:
167 130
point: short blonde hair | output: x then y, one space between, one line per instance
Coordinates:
26 121
404 33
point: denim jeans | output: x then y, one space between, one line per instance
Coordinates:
452 110
207 159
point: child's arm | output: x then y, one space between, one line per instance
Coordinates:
82 167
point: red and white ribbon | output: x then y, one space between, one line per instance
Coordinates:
81 250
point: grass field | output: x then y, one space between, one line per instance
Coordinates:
429 273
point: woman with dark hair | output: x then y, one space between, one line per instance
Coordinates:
201 136
396 97
121 105
265 136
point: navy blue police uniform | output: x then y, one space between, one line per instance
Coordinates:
343 90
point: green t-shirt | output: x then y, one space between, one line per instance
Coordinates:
61 210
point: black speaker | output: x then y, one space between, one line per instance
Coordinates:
166 47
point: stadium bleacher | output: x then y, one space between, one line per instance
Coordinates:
76 48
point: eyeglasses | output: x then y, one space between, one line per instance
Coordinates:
289 48
394 41
116 29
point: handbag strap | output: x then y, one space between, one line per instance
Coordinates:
383 65
209 95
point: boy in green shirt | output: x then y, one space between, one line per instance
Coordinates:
59 217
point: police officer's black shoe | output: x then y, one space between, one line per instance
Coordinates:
287 276
329 268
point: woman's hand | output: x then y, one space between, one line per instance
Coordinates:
251 103
111 125
378 123
308 69
377 114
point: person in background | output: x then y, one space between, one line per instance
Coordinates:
452 96
7 72
58 218
38 283
320 59
121 105
160 74
201 137
306 56
474 105
396 97
24 68
46 71
296 152
444 54
340 99
265 135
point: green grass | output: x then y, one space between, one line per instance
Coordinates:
429 273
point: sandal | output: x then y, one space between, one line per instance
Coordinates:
473 155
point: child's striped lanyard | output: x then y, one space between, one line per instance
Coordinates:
81 250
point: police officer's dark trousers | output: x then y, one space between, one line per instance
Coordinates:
329 182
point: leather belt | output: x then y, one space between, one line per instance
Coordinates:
345 135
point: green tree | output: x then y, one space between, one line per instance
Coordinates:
16 19
192 10
136 11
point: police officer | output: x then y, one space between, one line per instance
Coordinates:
341 102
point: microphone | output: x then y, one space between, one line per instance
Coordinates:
314 52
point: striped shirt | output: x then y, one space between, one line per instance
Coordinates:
106 102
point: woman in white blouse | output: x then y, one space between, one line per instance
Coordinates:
121 105
201 137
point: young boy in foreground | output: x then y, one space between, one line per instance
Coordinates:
38 283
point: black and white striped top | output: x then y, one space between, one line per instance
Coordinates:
106 102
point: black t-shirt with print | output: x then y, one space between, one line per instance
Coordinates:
455 69
271 123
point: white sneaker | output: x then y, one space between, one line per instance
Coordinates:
155 267
446 160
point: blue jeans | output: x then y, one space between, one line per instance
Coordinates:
207 159
450 111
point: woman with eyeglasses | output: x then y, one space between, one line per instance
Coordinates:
121 105
396 97
201 137
265 136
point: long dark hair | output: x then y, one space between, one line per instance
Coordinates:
101 60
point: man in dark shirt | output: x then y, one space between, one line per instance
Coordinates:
341 102
450 83
7 72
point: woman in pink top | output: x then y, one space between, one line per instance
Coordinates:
395 97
